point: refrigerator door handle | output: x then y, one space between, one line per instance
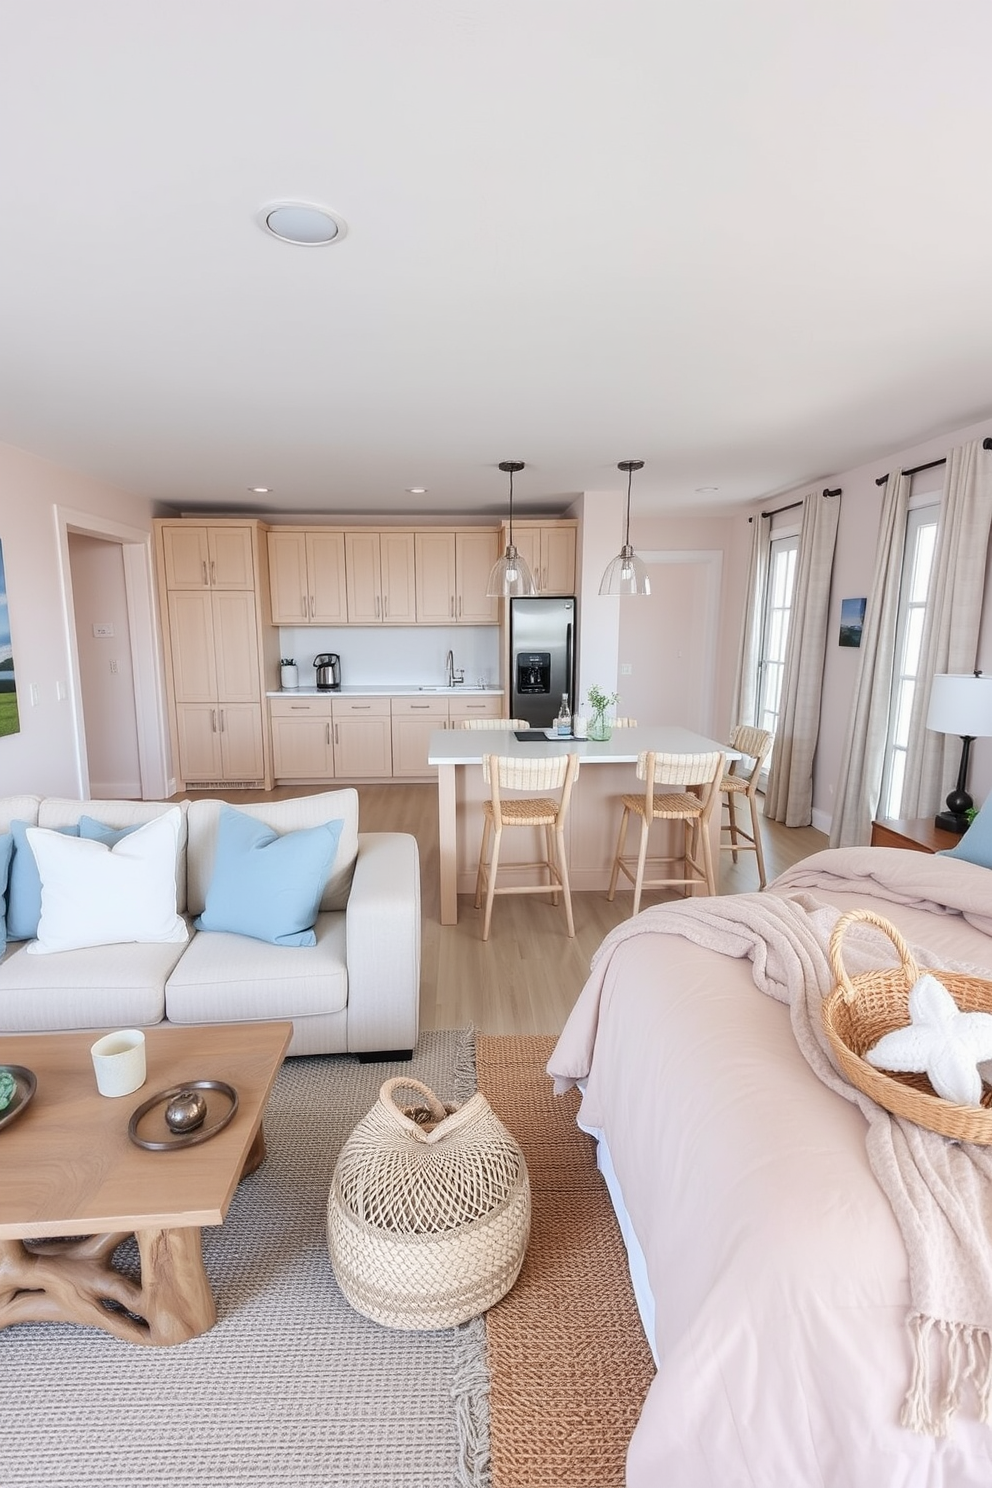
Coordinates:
568 668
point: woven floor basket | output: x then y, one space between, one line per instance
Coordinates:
429 1211
862 1008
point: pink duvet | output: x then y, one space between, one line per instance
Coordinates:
778 1272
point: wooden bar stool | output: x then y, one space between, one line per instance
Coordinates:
503 773
700 776
740 781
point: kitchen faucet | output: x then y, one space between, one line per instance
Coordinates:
449 669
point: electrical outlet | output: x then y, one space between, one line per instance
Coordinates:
114 667
33 693
626 669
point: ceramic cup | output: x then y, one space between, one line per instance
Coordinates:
580 726
119 1061
289 676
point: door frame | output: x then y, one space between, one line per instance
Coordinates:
146 663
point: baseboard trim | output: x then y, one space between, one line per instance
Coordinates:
822 821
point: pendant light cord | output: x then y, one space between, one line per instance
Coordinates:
626 534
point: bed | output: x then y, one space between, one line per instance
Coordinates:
771 1270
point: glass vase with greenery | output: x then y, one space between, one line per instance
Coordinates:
599 726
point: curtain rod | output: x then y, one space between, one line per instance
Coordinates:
795 503
930 465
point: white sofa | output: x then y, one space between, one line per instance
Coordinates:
356 991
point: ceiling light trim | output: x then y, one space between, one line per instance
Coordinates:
302 224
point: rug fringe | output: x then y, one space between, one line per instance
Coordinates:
470 1393
464 1079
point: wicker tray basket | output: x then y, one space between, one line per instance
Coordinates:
862 1008
429 1211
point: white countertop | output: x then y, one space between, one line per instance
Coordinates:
467 746
352 690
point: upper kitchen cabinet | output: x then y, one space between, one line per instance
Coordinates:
453 570
201 556
549 548
307 577
380 568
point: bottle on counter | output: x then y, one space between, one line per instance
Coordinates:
563 723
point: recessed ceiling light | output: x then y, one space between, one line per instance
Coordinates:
260 490
301 222
416 490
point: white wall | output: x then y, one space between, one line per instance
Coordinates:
41 758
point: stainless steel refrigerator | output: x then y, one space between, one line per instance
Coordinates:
542 658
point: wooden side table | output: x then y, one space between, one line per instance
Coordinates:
917 833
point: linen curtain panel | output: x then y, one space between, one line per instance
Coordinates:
789 795
745 704
953 619
859 781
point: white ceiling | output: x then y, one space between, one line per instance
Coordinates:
750 244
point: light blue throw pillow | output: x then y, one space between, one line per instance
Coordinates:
265 885
6 853
97 831
976 844
24 884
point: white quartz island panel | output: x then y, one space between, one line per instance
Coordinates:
605 772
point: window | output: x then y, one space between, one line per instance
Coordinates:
914 590
779 586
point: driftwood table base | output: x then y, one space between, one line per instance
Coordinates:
75 1281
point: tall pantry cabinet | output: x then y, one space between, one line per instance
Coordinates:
218 643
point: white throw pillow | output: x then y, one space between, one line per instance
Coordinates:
94 895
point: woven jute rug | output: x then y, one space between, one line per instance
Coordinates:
292 1388
568 1360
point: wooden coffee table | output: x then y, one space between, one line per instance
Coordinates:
73 1185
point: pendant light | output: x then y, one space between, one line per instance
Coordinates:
627 574
510 574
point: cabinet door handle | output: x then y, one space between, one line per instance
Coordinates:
358 707
303 600
327 733
385 607
459 607
377 614
221 712
313 607
206 581
213 571
414 706
213 720
336 738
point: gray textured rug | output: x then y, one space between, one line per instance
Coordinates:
292 1386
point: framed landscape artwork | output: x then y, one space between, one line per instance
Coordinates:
852 618
10 722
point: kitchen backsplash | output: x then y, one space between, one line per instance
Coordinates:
382 654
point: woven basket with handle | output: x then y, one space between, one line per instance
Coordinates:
429 1211
862 1008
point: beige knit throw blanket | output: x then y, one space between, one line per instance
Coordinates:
940 1191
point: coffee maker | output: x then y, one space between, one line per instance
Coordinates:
328 668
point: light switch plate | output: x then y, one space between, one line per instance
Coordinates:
102 628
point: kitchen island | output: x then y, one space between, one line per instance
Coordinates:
605 772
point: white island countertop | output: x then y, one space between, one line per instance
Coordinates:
465 747
395 689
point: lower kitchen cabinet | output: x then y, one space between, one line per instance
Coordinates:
363 747
220 741
414 720
302 740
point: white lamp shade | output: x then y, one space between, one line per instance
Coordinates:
961 703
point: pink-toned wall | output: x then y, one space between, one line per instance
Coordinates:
41 758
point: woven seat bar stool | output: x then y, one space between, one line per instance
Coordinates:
625 723
699 775
494 723
742 781
503 773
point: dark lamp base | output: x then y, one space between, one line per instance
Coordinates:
951 822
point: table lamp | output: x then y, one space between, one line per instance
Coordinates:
960 703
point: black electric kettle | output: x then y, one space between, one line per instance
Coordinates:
328 668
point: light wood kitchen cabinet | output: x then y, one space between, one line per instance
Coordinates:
453 570
220 741
414 720
307 577
207 557
549 548
302 739
212 583
490 705
381 585
362 738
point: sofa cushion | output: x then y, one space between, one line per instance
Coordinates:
282 816
61 811
123 987
18 808
94 895
6 853
24 883
267 884
227 978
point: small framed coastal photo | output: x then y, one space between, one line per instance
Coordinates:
852 619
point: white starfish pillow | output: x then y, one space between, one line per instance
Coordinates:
941 1042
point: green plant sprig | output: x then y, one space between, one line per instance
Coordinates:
599 700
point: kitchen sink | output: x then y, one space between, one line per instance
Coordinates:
435 689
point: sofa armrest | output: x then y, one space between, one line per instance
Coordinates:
383 943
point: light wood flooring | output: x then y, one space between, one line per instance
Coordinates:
526 977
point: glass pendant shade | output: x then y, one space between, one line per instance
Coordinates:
510 576
626 574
